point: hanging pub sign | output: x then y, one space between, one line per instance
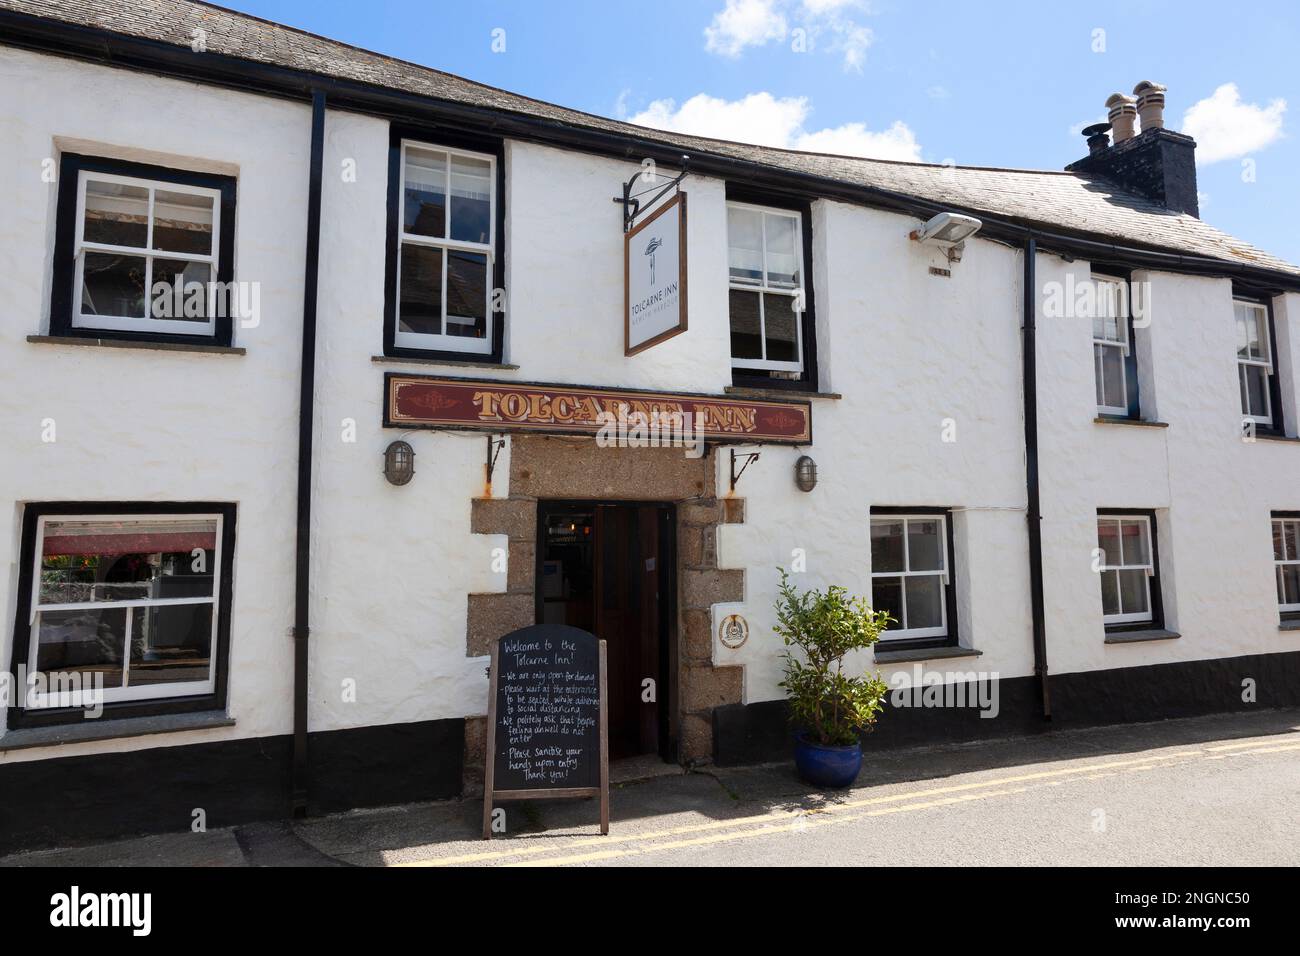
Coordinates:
419 401
654 277
547 728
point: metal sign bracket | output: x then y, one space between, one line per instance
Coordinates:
631 202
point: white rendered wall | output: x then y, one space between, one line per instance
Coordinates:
908 351
139 425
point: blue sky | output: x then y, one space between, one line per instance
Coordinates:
978 83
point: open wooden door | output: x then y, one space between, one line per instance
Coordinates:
627 617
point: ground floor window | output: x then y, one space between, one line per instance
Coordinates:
911 554
1286 563
124 605
1127 565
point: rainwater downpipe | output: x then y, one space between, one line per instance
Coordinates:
1033 512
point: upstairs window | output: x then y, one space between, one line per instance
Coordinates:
1255 367
445 262
770 315
1286 563
1114 358
139 251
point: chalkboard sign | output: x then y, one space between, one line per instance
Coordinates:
547 723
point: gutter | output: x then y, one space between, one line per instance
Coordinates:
306 420
1033 512
167 59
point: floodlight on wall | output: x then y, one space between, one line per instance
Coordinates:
949 232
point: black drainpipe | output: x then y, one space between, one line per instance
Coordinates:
1033 514
306 418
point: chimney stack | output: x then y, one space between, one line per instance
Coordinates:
1157 163
1123 113
1150 104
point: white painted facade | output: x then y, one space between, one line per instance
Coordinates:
391 566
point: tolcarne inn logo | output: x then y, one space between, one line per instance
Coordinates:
77 909
651 248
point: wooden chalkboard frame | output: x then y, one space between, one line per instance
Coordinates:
491 795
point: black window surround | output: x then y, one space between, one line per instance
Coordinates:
951 639
1130 359
435 138
21 717
807 379
1286 616
1278 428
64 298
1157 621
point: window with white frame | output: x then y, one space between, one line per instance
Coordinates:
1254 361
446 249
766 281
1111 346
1127 569
123 607
1286 561
909 574
137 255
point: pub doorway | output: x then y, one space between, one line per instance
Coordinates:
609 567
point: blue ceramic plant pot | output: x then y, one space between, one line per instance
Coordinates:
826 766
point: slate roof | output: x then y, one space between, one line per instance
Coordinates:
1072 202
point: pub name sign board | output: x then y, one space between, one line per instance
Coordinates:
654 277
418 401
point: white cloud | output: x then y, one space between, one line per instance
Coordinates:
766 120
818 8
1226 128
743 23
854 139
759 118
851 41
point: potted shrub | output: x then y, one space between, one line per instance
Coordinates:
830 709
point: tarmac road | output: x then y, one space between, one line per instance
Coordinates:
1206 791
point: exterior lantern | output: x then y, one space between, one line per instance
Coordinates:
805 473
399 463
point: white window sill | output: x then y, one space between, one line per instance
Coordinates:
82 731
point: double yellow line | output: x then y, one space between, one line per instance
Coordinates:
740 828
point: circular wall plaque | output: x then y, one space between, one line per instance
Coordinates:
733 632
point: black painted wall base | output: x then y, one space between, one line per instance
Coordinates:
755 733
69 800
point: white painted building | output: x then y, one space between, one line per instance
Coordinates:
150 508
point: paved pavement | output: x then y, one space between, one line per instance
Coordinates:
1207 791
